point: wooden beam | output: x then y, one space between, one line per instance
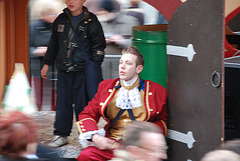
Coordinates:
10 39
2 50
21 33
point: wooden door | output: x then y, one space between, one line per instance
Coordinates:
195 84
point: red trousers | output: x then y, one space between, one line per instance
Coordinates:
92 153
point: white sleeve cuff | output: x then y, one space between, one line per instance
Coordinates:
83 138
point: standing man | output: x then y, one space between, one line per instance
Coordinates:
119 101
65 49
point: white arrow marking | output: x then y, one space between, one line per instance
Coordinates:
181 51
181 137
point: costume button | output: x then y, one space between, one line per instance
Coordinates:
101 103
150 93
110 90
90 20
82 126
151 110
80 122
86 22
83 130
157 112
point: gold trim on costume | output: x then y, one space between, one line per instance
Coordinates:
79 129
86 119
147 100
80 122
165 126
113 90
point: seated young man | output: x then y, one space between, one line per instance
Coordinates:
119 101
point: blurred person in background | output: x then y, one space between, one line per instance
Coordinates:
92 5
43 13
142 141
233 145
18 139
41 26
221 155
135 11
117 26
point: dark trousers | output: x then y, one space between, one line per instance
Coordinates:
71 96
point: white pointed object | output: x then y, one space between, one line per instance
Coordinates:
19 95
181 137
188 51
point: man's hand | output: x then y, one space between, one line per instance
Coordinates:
103 143
44 71
116 39
40 51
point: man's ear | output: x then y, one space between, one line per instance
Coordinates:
139 69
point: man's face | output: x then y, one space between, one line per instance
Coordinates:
127 67
152 147
75 6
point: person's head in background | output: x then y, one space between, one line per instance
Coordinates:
46 10
108 10
232 145
17 133
221 155
144 141
92 5
108 5
131 63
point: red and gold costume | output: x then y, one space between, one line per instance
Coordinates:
153 109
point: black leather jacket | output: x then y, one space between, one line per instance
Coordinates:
90 33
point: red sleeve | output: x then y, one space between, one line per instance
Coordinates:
159 102
90 116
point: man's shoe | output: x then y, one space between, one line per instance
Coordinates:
58 141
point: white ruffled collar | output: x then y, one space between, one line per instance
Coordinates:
129 96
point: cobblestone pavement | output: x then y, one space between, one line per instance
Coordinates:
45 120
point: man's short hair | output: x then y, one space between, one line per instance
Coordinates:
17 130
221 155
135 129
233 145
133 50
